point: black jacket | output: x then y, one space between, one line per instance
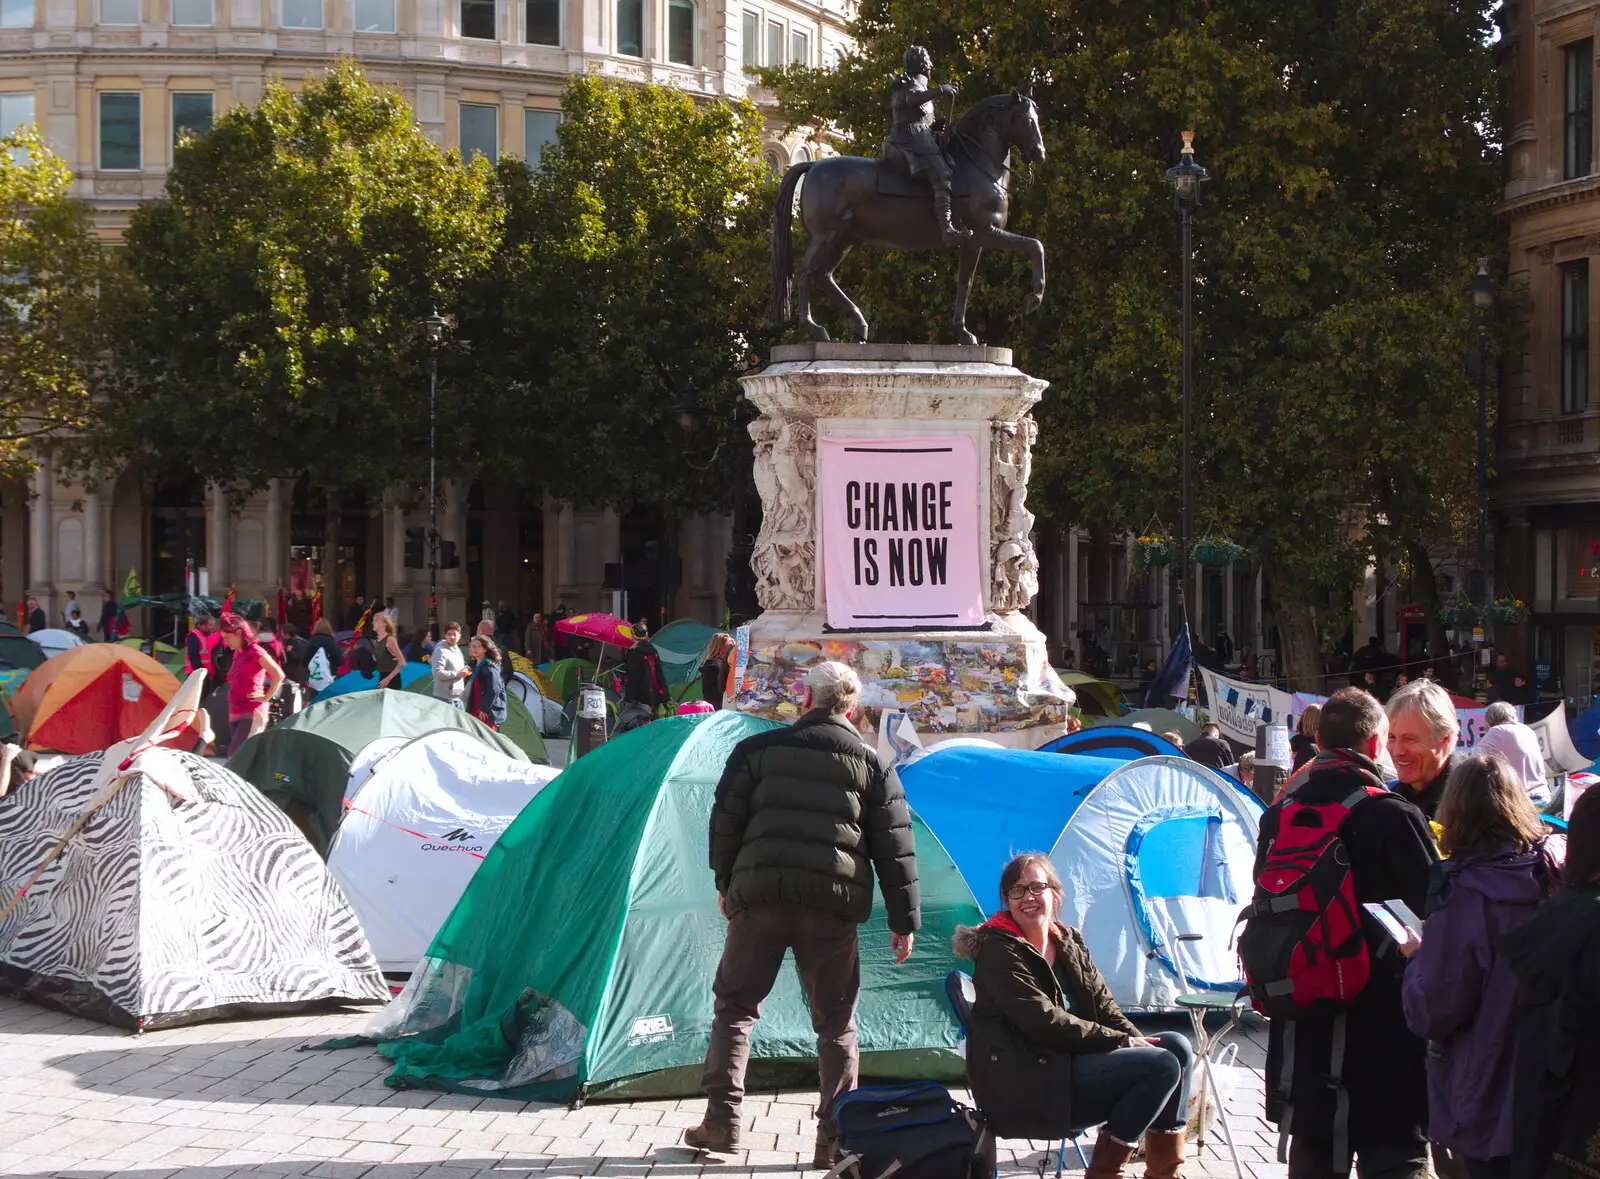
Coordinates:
1556 1098
803 816
1211 752
1028 1022
1427 798
1391 857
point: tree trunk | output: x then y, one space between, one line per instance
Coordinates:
1299 652
1426 590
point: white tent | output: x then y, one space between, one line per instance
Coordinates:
421 819
1161 847
54 641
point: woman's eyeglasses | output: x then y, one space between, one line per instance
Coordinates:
1037 888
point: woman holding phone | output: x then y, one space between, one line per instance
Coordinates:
1459 992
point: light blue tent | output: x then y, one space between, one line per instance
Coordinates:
350 681
1146 849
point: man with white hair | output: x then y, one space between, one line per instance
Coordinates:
803 818
1515 742
1423 732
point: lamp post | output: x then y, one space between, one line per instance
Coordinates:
1186 178
1483 291
433 325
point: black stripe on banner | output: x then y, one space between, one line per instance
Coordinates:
898 449
859 616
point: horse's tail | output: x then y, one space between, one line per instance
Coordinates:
782 249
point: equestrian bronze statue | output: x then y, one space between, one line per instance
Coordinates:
922 195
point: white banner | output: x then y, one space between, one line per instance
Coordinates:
1555 742
1239 707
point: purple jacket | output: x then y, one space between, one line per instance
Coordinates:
1461 997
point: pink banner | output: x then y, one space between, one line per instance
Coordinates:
900 533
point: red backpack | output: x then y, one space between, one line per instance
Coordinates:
1303 948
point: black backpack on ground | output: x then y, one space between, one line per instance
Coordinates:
911 1131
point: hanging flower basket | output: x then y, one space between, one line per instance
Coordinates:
1459 614
1152 551
1219 552
1511 611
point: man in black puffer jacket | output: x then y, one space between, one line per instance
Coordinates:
803 818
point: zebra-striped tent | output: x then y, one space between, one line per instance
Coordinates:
169 906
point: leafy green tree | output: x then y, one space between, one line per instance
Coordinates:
630 289
51 271
270 325
1351 146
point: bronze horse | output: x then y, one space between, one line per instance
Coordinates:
848 200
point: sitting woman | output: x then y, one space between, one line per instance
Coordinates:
1049 1051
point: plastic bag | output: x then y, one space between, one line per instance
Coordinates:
1226 1077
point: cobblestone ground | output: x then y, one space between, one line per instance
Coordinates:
241 1100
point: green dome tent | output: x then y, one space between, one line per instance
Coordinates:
680 645
519 727
303 762
17 652
579 960
565 676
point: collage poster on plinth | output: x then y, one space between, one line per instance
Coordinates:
900 542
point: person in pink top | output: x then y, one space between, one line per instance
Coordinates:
254 677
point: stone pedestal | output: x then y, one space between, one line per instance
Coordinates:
992 678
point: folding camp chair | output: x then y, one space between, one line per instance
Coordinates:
961 993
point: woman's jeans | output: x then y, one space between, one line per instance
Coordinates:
1133 1090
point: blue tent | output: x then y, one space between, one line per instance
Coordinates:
1119 742
1584 729
350 681
1146 850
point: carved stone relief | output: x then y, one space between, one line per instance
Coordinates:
1013 564
785 553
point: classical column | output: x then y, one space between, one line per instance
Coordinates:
219 518
94 564
41 565
277 572
1235 631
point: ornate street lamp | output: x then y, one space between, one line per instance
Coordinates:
1483 291
1187 179
433 326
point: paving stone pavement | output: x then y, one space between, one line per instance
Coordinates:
241 1100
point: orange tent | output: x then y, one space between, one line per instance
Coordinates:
90 697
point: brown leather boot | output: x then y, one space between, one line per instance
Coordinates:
1109 1157
1163 1154
713 1137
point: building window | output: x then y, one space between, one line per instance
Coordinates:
1575 336
191 115
680 32
750 41
774 164
538 132
544 22
774 43
801 155
1580 108
800 48
192 12
119 132
480 131
835 57
374 16
477 20
302 14
16 110
630 28
16 14
119 12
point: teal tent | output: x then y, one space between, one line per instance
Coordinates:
17 653
680 646
579 960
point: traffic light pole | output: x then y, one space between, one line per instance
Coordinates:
433 491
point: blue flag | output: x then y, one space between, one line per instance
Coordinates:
1173 678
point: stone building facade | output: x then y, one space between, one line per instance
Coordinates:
1546 492
113 83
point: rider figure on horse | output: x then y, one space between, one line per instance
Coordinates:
912 137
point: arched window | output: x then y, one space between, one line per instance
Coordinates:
680 32
775 162
630 28
801 155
